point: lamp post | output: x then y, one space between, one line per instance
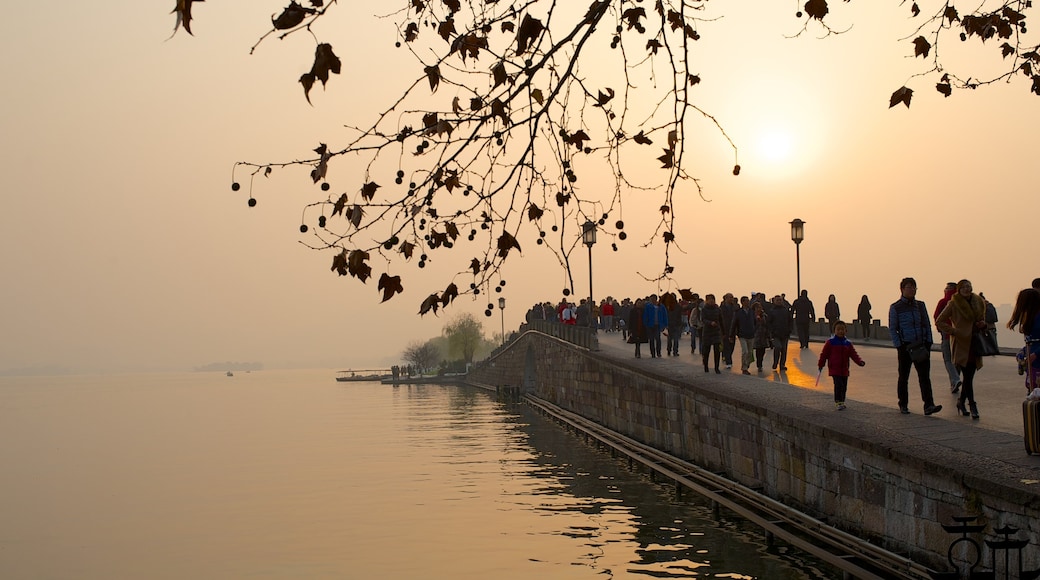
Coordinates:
797 235
588 237
502 309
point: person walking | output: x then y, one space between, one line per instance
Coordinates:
1026 317
836 354
804 314
744 331
944 345
693 320
991 316
711 331
832 312
762 339
606 313
863 315
727 312
675 324
780 331
655 319
908 325
963 316
636 329
624 311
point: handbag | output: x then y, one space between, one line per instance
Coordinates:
984 343
918 351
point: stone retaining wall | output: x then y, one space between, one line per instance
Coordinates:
880 485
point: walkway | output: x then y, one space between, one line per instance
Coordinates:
999 391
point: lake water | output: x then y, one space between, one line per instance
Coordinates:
289 474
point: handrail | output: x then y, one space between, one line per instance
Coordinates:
827 543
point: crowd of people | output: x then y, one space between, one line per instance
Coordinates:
758 325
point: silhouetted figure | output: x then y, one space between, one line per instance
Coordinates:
804 314
863 314
832 312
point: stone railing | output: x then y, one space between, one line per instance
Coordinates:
582 336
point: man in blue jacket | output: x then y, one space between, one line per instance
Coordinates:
909 325
655 319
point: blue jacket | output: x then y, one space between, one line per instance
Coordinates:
908 322
654 315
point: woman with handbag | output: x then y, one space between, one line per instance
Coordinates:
962 318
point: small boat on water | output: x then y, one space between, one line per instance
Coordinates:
354 377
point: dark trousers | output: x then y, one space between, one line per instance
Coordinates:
728 344
841 387
968 382
674 334
923 377
654 335
705 349
760 355
803 332
780 352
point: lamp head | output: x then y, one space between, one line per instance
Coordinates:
588 233
797 230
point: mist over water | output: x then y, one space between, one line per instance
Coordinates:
288 474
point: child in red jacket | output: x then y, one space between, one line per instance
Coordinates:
836 354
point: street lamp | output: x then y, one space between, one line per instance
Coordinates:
502 309
797 235
588 237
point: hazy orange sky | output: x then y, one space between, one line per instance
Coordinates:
124 248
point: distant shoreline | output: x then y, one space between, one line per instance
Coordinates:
229 366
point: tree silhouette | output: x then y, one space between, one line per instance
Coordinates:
514 102
465 335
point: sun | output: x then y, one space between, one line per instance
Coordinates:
774 146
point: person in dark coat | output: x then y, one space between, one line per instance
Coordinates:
675 325
780 330
711 331
832 312
744 330
762 339
727 310
863 315
636 329
804 314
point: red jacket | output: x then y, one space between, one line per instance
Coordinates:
836 354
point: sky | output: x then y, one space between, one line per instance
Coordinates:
124 248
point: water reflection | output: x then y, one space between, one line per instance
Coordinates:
292 475
617 522
670 538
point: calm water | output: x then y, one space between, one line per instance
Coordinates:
289 474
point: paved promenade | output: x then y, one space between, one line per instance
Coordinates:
999 391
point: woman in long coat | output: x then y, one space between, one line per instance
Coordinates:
711 331
636 328
963 316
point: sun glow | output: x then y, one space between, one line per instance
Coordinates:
774 146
